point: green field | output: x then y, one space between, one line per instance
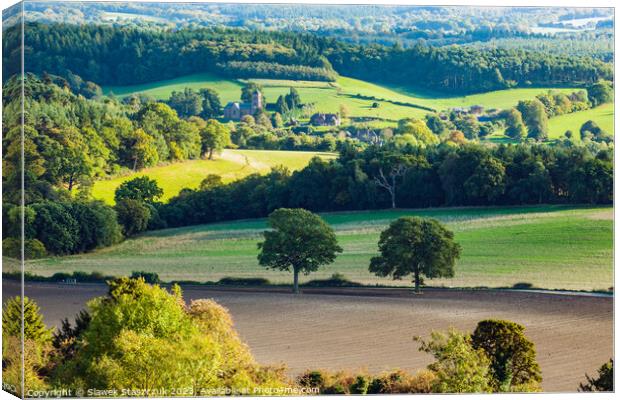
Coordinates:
555 247
602 115
230 165
329 96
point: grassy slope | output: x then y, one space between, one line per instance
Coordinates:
329 96
549 246
602 115
230 165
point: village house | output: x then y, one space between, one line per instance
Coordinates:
320 119
236 110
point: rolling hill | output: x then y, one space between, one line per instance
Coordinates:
554 247
230 165
329 96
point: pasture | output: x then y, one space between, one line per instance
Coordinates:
573 334
552 247
328 96
603 115
230 165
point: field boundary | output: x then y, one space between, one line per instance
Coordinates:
352 291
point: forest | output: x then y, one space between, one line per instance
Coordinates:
111 55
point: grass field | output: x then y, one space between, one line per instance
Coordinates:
602 115
552 247
230 165
329 96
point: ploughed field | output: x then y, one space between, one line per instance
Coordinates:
552 247
373 331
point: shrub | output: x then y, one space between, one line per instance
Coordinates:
33 248
458 367
336 280
311 379
604 382
149 277
144 331
243 281
360 385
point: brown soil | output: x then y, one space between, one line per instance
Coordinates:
372 329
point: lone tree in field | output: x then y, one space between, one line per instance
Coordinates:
299 240
417 246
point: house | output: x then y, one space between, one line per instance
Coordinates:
236 110
476 109
320 119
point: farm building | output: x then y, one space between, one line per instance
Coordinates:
236 110
320 119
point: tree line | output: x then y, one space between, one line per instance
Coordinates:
408 177
113 55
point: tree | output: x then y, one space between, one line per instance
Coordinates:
299 240
515 128
133 215
458 367
211 103
603 383
276 120
601 92
435 124
418 129
390 170
486 184
186 103
142 188
293 100
210 182
344 111
511 354
412 245
138 150
281 105
248 90
535 117
34 327
215 136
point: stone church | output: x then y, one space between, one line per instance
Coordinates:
236 110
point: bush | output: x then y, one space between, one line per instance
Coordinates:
604 382
360 385
143 330
336 280
230 281
149 277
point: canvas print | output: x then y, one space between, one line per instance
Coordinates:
209 199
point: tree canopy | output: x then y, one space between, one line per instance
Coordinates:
416 246
299 240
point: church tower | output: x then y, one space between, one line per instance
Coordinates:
257 101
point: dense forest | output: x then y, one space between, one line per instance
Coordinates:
109 55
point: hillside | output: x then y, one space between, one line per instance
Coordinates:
329 96
230 165
555 247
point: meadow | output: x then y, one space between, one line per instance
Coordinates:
603 115
552 247
230 165
328 96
